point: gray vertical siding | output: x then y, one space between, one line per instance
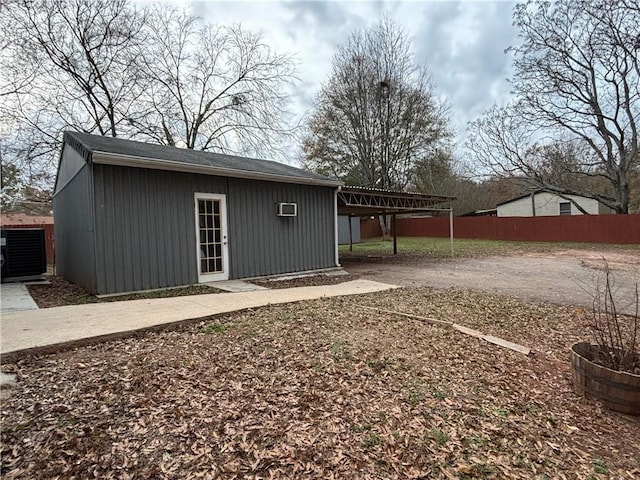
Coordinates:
74 227
145 227
343 230
261 243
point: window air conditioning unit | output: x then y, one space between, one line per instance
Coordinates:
287 209
23 254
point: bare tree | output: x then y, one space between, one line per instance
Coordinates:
15 67
212 87
105 67
501 142
576 82
70 64
81 57
377 115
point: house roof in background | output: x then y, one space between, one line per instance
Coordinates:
117 151
17 219
489 212
534 192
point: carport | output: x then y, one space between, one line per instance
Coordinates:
361 202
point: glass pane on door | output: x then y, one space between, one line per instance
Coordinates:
210 235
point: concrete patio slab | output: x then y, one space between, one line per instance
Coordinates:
15 297
48 327
235 286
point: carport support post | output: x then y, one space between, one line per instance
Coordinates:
350 236
451 229
395 235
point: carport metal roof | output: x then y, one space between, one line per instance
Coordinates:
367 201
361 201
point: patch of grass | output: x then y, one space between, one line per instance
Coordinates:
340 352
372 440
552 422
214 328
414 396
337 350
437 393
360 428
481 412
501 412
477 440
287 317
440 437
600 467
466 248
532 409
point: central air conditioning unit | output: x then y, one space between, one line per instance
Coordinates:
23 253
287 209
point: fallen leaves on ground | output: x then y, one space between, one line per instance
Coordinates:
60 292
305 281
321 389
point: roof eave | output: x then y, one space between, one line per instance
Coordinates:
536 192
107 158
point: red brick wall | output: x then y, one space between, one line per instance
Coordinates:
48 237
621 229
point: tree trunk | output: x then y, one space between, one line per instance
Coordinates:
385 226
623 207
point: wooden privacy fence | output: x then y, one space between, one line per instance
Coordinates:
370 228
621 229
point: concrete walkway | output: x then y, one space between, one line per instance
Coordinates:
44 328
15 297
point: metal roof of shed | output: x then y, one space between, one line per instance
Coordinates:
117 151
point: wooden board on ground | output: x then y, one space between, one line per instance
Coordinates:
492 339
462 329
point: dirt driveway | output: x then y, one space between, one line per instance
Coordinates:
565 277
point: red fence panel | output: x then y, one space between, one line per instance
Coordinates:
621 229
370 228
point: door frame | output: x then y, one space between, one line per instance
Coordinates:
224 275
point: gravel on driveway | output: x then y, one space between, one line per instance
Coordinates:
566 277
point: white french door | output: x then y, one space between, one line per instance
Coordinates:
211 237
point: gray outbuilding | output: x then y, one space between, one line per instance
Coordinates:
348 230
135 216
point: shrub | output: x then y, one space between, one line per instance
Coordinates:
616 335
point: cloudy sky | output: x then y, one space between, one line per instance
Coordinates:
462 43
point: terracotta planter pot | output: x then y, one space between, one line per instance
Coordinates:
618 391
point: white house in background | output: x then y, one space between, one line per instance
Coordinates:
545 204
